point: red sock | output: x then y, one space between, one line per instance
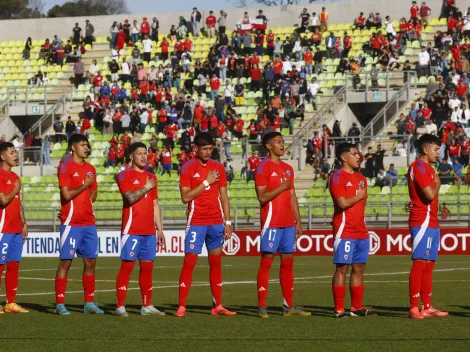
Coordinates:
357 292
145 282
60 287
286 277
11 281
215 278
416 276
2 266
426 285
338 295
89 283
186 277
122 281
263 280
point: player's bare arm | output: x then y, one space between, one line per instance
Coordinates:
158 223
134 196
295 210
265 196
347 202
23 222
6 198
226 209
188 194
94 195
70 193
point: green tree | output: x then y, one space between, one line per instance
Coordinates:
11 9
78 8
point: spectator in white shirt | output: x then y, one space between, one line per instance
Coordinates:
125 70
312 91
135 30
431 127
93 68
286 65
423 62
454 102
147 45
456 115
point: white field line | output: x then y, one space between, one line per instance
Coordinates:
117 267
302 280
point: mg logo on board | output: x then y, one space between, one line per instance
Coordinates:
232 246
374 242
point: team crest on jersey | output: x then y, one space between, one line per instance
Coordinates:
4 258
89 173
271 245
191 246
427 253
288 173
131 254
362 183
346 257
72 252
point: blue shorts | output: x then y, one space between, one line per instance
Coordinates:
138 247
82 240
11 247
280 240
350 251
196 235
425 242
167 167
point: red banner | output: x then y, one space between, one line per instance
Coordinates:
383 242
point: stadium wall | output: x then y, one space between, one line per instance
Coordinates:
279 16
246 243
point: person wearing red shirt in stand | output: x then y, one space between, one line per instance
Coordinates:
455 50
162 120
125 140
255 74
151 160
171 134
220 129
144 28
348 190
252 131
375 45
277 67
86 126
277 122
238 132
78 235
411 126
144 90
203 186
270 44
97 82
347 45
114 141
451 23
426 112
120 153
418 28
423 187
165 45
192 133
111 160
461 89
13 227
211 21
360 21
188 44
134 95
214 83
141 229
317 147
464 151
253 162
159 97
165 157
414 11
403 25
454 150
280 223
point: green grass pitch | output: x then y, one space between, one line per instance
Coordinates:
386 292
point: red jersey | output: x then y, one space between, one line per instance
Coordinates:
144 87
426 112
179 46
317 144
278 212
253 161
215 83
348 223
97 81
205 123
166 157
206 208
10 219
171 131
423 213
308 57
134 93
361 20
220 130
347 43
78 211
138 218
461 89
239 125
414 11
162 116
159 95
277 67
125 140
454 150
211 21
188 44
164 45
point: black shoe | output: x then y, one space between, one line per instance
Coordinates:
363 312
340 315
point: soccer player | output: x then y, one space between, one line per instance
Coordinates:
280 223
141 221
348 190
78 235
203 186
13 227
423 186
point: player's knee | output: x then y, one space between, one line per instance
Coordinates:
89 263
266 263
342 268
358 268
215 261
287 262
146 266
13 266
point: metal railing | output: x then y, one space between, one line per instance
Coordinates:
34 97
4 108
381 120
376 85
47 120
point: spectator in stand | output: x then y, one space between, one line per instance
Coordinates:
144 29
135 31
79 71
424 62
69 127
222 22
424 13
147 45
89 31
59 130
196 22
304 21
379 159
107 122
211 21
76 34
165 157
444 170
360 21
323 20
253 162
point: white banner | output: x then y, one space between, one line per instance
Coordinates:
43 244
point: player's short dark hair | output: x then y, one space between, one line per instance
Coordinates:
268 137
427 139
203 138
5 146
77 138
343 148
134 146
